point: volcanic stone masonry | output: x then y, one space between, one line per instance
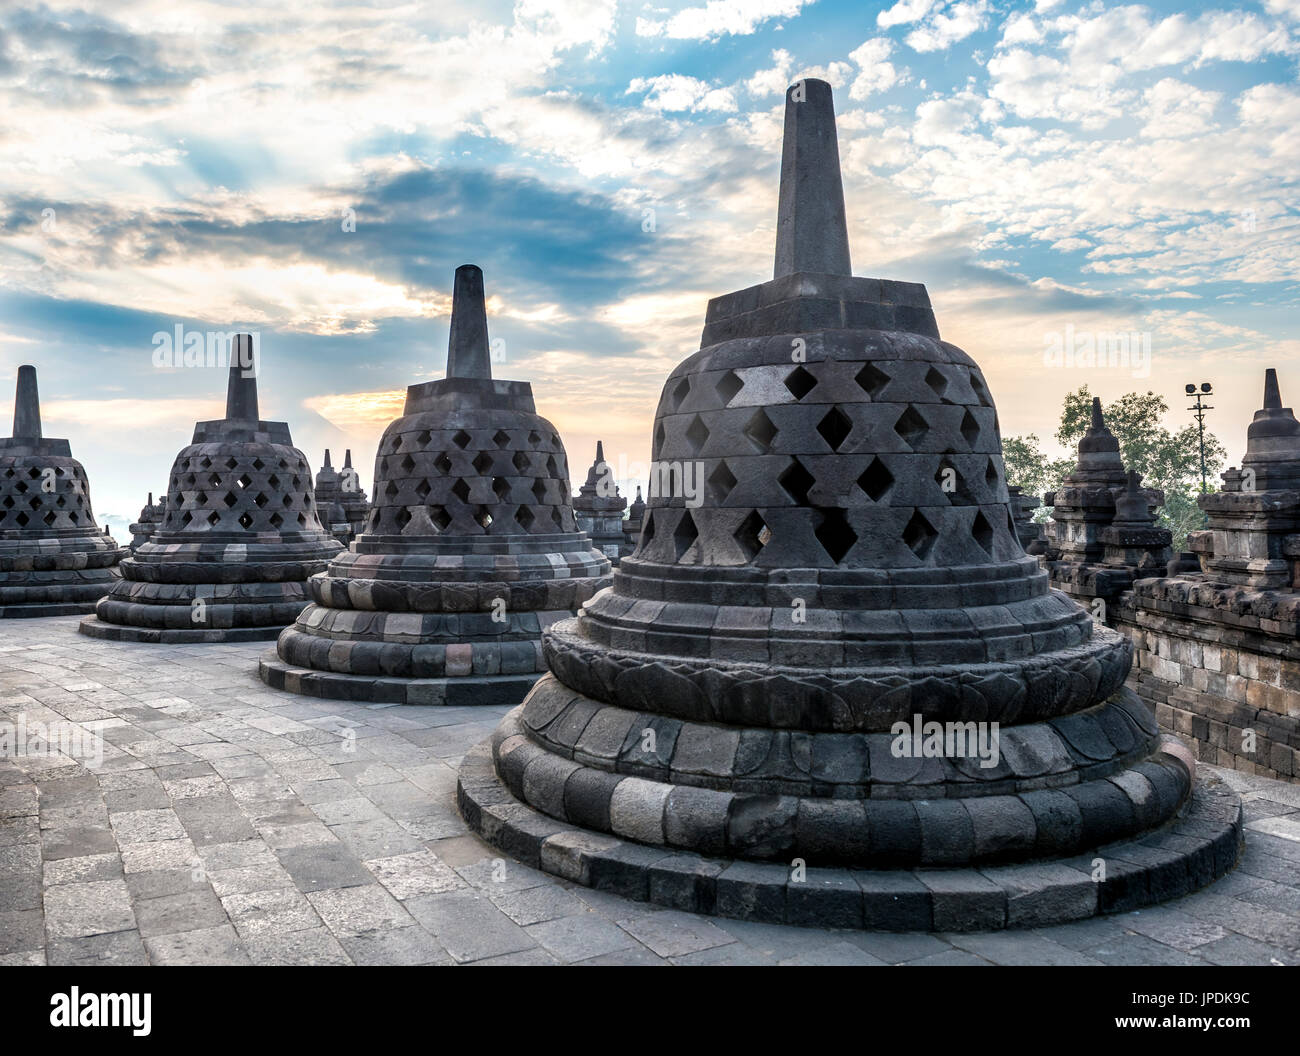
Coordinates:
1104 530
598 508
1217 650
715 731
340 500
54 560
470 552
238 538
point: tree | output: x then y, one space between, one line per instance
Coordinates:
1170 461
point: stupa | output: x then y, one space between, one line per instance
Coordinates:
146 524
238 538
598 508
470 552
733 727
54 560
356 507
329 502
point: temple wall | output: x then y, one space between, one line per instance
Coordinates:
1214 684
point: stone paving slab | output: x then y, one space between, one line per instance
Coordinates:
233 824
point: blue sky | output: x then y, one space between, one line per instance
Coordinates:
1040 166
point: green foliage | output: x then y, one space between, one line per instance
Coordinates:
1170 461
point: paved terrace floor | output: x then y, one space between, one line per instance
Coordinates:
233 824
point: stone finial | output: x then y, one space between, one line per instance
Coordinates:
27 405
241 388
467 347
600 451
347 459
1272 394
327 460
811 230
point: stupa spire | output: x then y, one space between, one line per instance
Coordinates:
811 230
467 346
327 460
1272 394
347 458
27 405
241 388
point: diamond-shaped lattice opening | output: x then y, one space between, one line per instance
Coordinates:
970 428
720 482
761 431
186 517
684 535
302 519
258 464
752 535
273 480
936 380
461 439
991 475
402 518
396 445
407 463
60 502
552 467
440 517
244 480
728 385
21 487
214 518
287 501
659 437
872 380
9 502
483 517
648 528
245 520
74 517
697 433
260 499
232 462
919 535
35 502
555 516
423 488
215 480
276 520
800 382
391 490
34 473
911 427
22 519
205 462
876 480
680 391
524 518
423 439
835 533
297 481
230 499
981 390
953 484
50 518
442 463
461 490
835 428
534 438
501 438
520 461
501 486
982 532
482 463
539 490
796 480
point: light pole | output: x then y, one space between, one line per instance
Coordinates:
1199 407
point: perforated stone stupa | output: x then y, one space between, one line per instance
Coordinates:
238 538
340 500
54 560
471 549
151 515
717 731
598 508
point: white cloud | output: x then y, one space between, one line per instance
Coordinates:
947 27
877 74
1175 108
904 12
719 18
675 92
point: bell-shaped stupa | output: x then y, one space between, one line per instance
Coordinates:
835 689
238 537
470 552
54 560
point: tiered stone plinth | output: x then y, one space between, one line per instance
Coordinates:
238 539
1219 650
598 508
1104 530
719 731
54 560
471 549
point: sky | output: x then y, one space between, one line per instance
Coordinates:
1054 172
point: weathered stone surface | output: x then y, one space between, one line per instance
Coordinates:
54 560
469 551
